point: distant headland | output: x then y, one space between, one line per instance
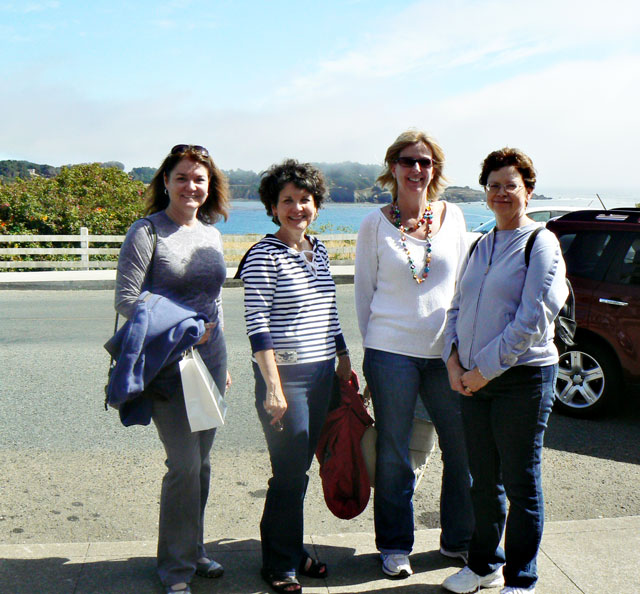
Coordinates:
348 182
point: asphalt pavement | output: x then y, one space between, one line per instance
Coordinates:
57 539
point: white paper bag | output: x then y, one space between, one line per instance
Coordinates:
206 407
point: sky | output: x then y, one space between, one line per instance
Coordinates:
327 81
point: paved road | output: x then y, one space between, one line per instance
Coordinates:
72 473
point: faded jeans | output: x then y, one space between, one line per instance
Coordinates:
185 486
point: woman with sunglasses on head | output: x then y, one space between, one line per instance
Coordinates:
408 255
292 323
502 360
176 252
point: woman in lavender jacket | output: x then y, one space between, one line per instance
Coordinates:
501 357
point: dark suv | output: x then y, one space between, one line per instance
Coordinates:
602 252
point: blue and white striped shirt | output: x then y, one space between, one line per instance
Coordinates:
290 302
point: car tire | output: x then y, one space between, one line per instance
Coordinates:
588 380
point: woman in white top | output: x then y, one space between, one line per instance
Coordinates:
408 256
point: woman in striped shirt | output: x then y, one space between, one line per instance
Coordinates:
292 323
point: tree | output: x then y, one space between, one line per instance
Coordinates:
143 174
115 164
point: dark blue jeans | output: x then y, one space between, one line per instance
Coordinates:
395 382
504 425
307 388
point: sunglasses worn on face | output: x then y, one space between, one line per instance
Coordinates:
410 162
181 148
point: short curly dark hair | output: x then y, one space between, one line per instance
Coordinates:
302 175
507 157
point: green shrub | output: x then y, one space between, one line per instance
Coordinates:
106 201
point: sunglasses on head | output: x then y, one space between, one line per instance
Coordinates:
181 148
425 163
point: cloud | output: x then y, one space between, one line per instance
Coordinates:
429 37
578 120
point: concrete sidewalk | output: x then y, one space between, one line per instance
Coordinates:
52 280
586 557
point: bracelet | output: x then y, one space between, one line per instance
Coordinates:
482 375
343 352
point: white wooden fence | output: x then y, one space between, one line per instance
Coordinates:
341 248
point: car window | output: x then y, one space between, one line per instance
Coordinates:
630 268
541 216
584 253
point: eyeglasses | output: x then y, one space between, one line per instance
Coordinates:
410 162
182 148
495 188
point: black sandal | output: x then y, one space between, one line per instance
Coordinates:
316 569
281 582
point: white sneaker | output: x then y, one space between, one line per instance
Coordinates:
466 581
462 555
396 565
514 590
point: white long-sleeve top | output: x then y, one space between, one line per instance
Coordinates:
503 311
396 314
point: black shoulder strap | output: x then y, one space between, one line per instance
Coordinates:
473 247
243 261
154 235
529 246
475 243
149 269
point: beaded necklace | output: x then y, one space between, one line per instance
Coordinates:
426 219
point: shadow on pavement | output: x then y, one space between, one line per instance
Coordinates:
613 436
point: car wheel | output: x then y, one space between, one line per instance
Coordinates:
588 380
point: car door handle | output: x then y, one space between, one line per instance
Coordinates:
612 302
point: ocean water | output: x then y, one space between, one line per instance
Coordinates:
249 217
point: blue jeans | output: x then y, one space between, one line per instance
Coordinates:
395 382
504 424
307 388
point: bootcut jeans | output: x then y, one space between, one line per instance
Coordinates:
307 388
395 382
504 424
185 486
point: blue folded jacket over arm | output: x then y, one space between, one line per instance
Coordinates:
155 336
